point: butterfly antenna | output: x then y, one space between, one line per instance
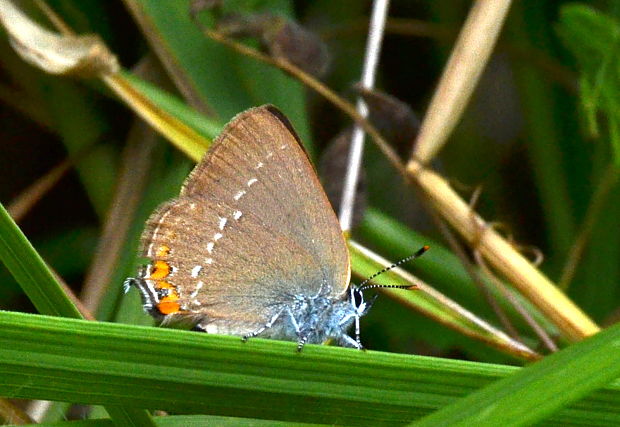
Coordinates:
418 254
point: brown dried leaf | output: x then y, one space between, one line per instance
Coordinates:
392 117
280 37
85 56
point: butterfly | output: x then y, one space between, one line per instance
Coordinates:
252 247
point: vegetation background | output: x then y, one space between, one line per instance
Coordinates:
540 137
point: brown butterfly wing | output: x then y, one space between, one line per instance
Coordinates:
251 227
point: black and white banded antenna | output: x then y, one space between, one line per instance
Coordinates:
363 286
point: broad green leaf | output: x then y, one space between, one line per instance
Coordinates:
186 372
541 389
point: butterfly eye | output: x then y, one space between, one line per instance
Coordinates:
358 298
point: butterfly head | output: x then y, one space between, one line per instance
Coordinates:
361 307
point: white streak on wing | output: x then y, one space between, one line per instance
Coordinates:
199 286
259 165
223 222
239 195
196 270
149 251
237 214
252 181
210 247
209 260
217 236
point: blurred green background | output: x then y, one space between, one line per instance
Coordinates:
538 136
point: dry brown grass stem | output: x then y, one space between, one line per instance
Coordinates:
12 415
54 18
461 74
529 319
459 251
24 202
168 60
532 283
131 182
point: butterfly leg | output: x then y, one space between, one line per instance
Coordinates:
347 341
357 333
302 341
302 338
263 328
293 320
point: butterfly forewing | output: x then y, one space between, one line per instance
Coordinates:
252 226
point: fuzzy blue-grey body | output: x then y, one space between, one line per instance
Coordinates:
311 319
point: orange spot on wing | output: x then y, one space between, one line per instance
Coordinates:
164 285
169 304
160 270
168 307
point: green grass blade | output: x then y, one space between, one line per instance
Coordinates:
112 364
31 272
38 282
541 389
169 103
224 80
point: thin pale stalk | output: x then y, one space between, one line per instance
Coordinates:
131 180
538 330
24 202
461 75
371 60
